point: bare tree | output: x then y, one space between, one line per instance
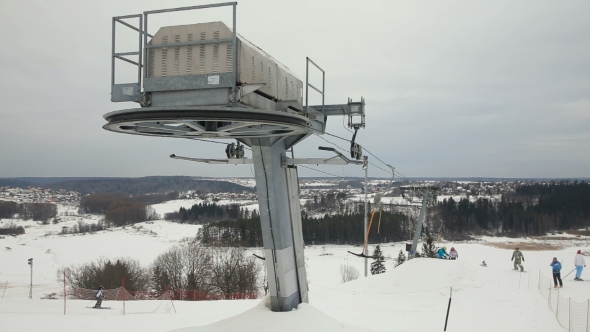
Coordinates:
169 268
348 273
234 272
196 260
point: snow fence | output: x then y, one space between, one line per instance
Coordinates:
571 315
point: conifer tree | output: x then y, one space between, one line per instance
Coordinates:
428 247
378 265
401 258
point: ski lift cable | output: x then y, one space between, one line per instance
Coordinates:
317 170
336 145
347 140
209 141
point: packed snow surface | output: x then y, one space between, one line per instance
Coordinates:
411 297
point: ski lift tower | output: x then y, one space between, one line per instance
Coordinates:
205 81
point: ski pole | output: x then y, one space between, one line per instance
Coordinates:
569 273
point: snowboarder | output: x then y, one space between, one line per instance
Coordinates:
580 264
453 254
517 257
556 272
484 264
442 253
99 296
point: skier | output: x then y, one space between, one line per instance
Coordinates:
442 253
453 254
99 296
580 264
517 257
484 264
556 272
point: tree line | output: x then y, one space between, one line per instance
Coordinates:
207 212
329 229
533 209
119 209
28 211
189 266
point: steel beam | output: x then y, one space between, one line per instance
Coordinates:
280 218
418 230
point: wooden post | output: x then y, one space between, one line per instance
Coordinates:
6 284
569 323
170 297
557 307
448 308
65 293
124 294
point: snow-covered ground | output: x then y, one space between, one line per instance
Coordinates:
411 297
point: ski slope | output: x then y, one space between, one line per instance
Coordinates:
412 297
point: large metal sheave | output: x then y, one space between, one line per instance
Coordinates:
205 81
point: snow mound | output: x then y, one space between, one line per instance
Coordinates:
261 319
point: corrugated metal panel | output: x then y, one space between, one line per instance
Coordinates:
254 65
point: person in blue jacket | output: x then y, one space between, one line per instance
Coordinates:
442 253
556 272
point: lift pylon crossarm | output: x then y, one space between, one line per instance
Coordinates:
352 108
348 161
338 159
240 161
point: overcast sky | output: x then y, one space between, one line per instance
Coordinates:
452 88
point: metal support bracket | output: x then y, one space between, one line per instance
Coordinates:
338 159
238 161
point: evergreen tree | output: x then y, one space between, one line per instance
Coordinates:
401 258
378 265
428 248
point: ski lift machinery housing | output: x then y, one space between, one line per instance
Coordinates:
203 80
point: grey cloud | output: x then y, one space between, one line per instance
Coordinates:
454 88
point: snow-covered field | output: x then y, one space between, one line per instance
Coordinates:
411 297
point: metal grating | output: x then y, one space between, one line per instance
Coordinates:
253 71
189 55
216 53
177 56
229 58
152 54
202 54
165 57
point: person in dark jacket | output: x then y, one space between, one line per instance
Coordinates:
556 272
99 296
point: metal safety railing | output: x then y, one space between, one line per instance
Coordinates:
132 91
308 85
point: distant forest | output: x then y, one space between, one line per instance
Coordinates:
119 209
339 229
131 186
532 210
28 211
207 212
